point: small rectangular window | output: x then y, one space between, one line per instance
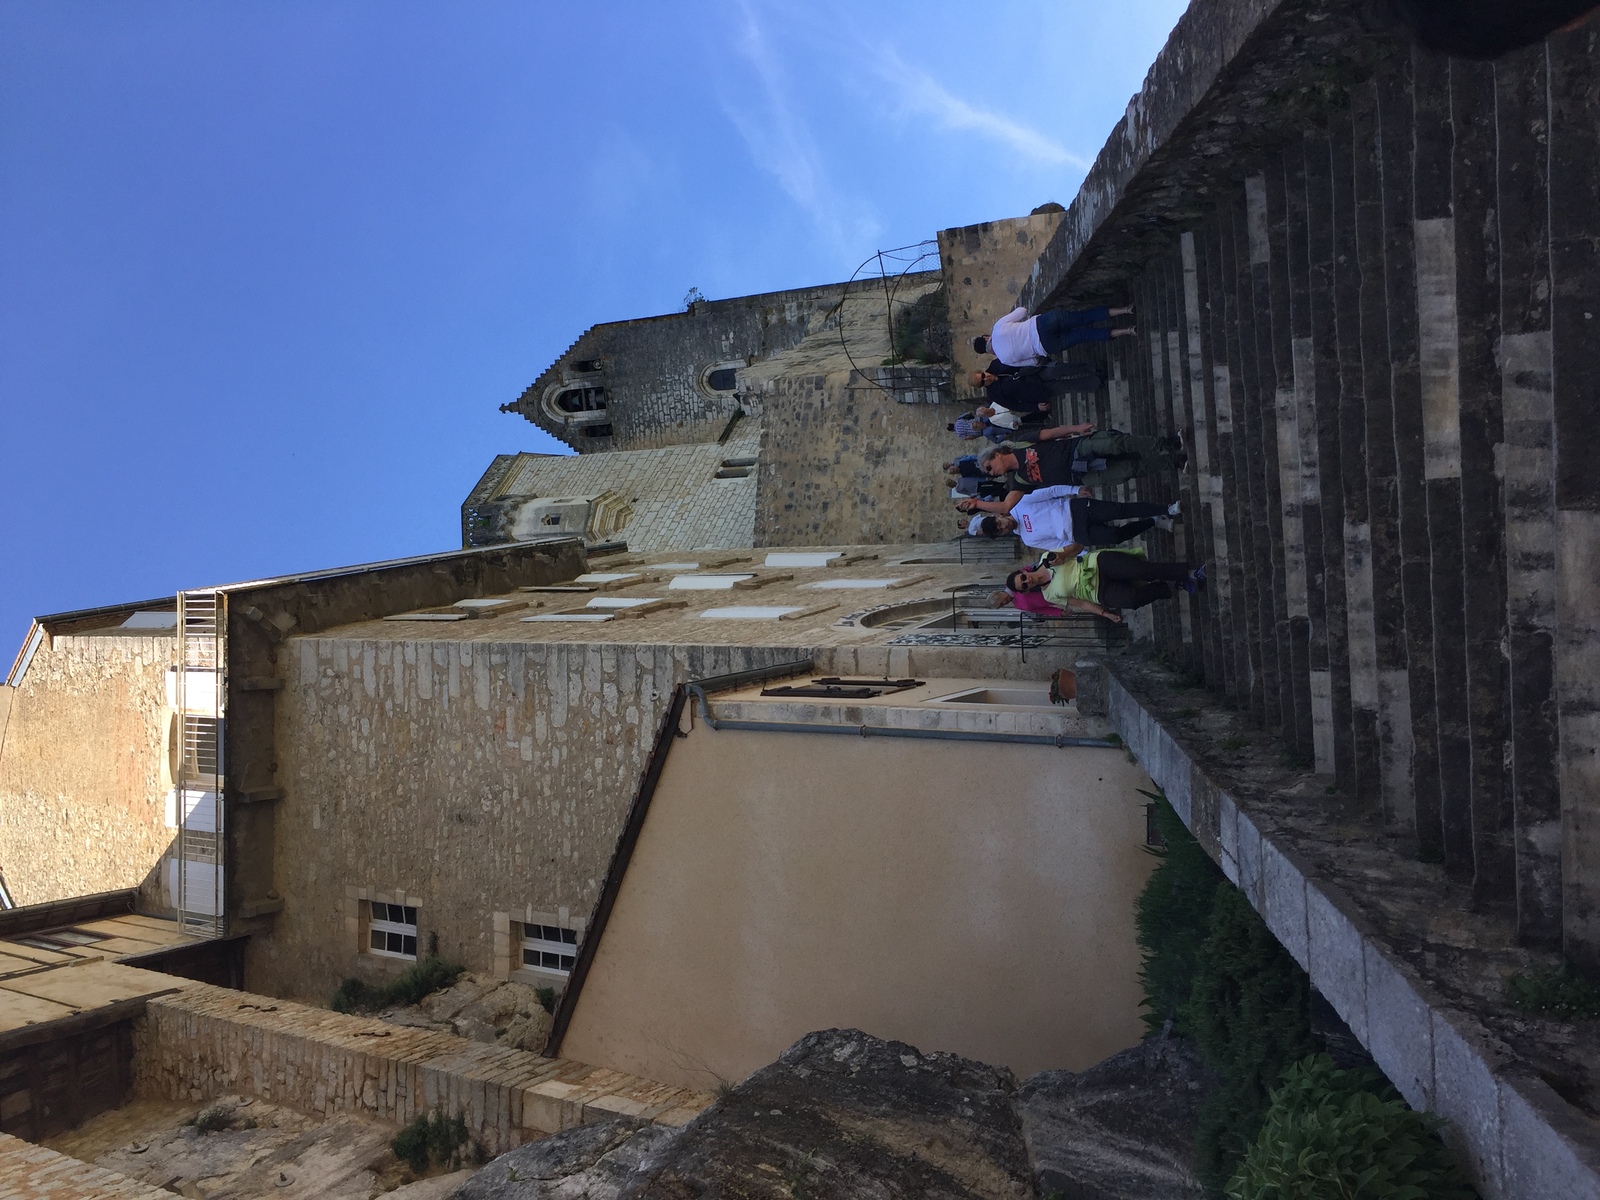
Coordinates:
836 584
392 931
705 583
549 948
750 612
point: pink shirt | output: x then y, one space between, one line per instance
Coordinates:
1035 602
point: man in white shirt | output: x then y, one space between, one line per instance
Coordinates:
1049 517
1019 340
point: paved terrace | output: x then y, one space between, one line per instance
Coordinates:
862 612
1366 279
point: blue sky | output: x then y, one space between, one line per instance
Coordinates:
268 269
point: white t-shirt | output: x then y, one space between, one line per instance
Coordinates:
1004 417
1014 340
1044 517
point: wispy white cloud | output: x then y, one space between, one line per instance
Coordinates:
919 92
781 143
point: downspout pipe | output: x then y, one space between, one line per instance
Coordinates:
1060 741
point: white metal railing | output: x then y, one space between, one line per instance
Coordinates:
195 872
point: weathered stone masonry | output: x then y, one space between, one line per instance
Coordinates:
83 771
472 777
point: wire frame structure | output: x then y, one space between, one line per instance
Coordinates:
195 871
886 271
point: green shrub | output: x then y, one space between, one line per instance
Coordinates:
921 331
1345 1135
547 998
1213 968
1173 916
1250 1017
1559 992
426 977
435 1138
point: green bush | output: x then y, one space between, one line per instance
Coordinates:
1215 971
1173 915
435 1139
426 977
1345 1135
921 331
1250 1017
1559 992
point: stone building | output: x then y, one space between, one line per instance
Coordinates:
1362 274
836 412
441 756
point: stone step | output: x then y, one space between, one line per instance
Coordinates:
1203 504
1439 369
1474 178
1575 268
1522 110
1333 667
1253 465
1393 732
1268 313
1285 488
1351 401
1303 493
1221 303
1396 123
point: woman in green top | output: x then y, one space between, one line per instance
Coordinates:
1104 580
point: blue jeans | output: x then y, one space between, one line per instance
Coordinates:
1060 328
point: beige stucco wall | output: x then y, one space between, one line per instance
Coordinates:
82 769
985 267
961 897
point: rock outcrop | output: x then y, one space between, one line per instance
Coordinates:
846 1116
483 1009
1120 1130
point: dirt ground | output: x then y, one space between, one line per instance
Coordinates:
262 1151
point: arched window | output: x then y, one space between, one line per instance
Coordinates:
720 380
550 519
581 399
576 404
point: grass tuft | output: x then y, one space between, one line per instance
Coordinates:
1558 992
432 1139
425 978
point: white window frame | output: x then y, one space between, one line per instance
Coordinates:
751 612
706 583
544 946
391 928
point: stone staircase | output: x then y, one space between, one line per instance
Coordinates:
1376 322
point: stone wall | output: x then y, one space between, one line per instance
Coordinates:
205 1042
985 267
844 462
652 368
83 770
468 778
677 500
28 1171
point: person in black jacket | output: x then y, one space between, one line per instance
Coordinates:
1023 388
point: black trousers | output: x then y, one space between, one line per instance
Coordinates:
1091 520
1128 581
